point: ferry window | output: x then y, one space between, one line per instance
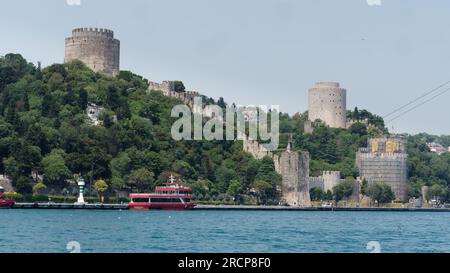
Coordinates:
165 200
140 200
187 200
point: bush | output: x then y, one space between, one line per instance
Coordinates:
60 198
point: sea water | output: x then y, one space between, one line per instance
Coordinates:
222 231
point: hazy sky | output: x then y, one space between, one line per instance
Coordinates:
262 52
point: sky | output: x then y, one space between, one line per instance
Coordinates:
262 52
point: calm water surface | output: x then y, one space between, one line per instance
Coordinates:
222 231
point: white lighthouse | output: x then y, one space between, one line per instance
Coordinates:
81 185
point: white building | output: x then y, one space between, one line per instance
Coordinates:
437 148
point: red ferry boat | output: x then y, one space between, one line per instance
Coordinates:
5 203
169 197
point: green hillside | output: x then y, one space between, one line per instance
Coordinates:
44 133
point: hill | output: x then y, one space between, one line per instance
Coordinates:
46 139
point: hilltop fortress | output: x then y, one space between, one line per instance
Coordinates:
384 160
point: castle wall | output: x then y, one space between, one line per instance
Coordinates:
316 182
328 102
330 179
327 181
187 97
293 168
95 47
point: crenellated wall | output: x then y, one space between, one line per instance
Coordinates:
187 97
331 179
327 181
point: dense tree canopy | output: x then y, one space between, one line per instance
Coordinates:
44 133
44 130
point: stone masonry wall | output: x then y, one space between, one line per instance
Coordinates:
328 102
96 48
187 97
293 168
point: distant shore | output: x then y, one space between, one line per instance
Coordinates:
220 207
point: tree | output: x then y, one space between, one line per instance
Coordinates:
55 169
120 166
262 189
316 194
83 99
23 184
381 192
235 188
267 173
141 179
184 169
359 129
343 190
328 196
221 103
39 187
439 192
100 186
178 86
200 187
364 187
224 176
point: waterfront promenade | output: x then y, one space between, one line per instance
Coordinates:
220 207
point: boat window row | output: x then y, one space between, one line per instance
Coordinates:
174 192
161 200
165 200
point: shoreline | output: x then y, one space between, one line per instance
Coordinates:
72 206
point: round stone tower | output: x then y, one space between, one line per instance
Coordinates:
328 102
96 47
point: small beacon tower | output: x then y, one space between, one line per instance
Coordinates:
81 185
95 47
328 102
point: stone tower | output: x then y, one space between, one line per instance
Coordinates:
328 102
385 161
294 169
292 166
96 47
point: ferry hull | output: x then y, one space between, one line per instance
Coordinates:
148 206
6 203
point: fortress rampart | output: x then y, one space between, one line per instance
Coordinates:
187 97
327 181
